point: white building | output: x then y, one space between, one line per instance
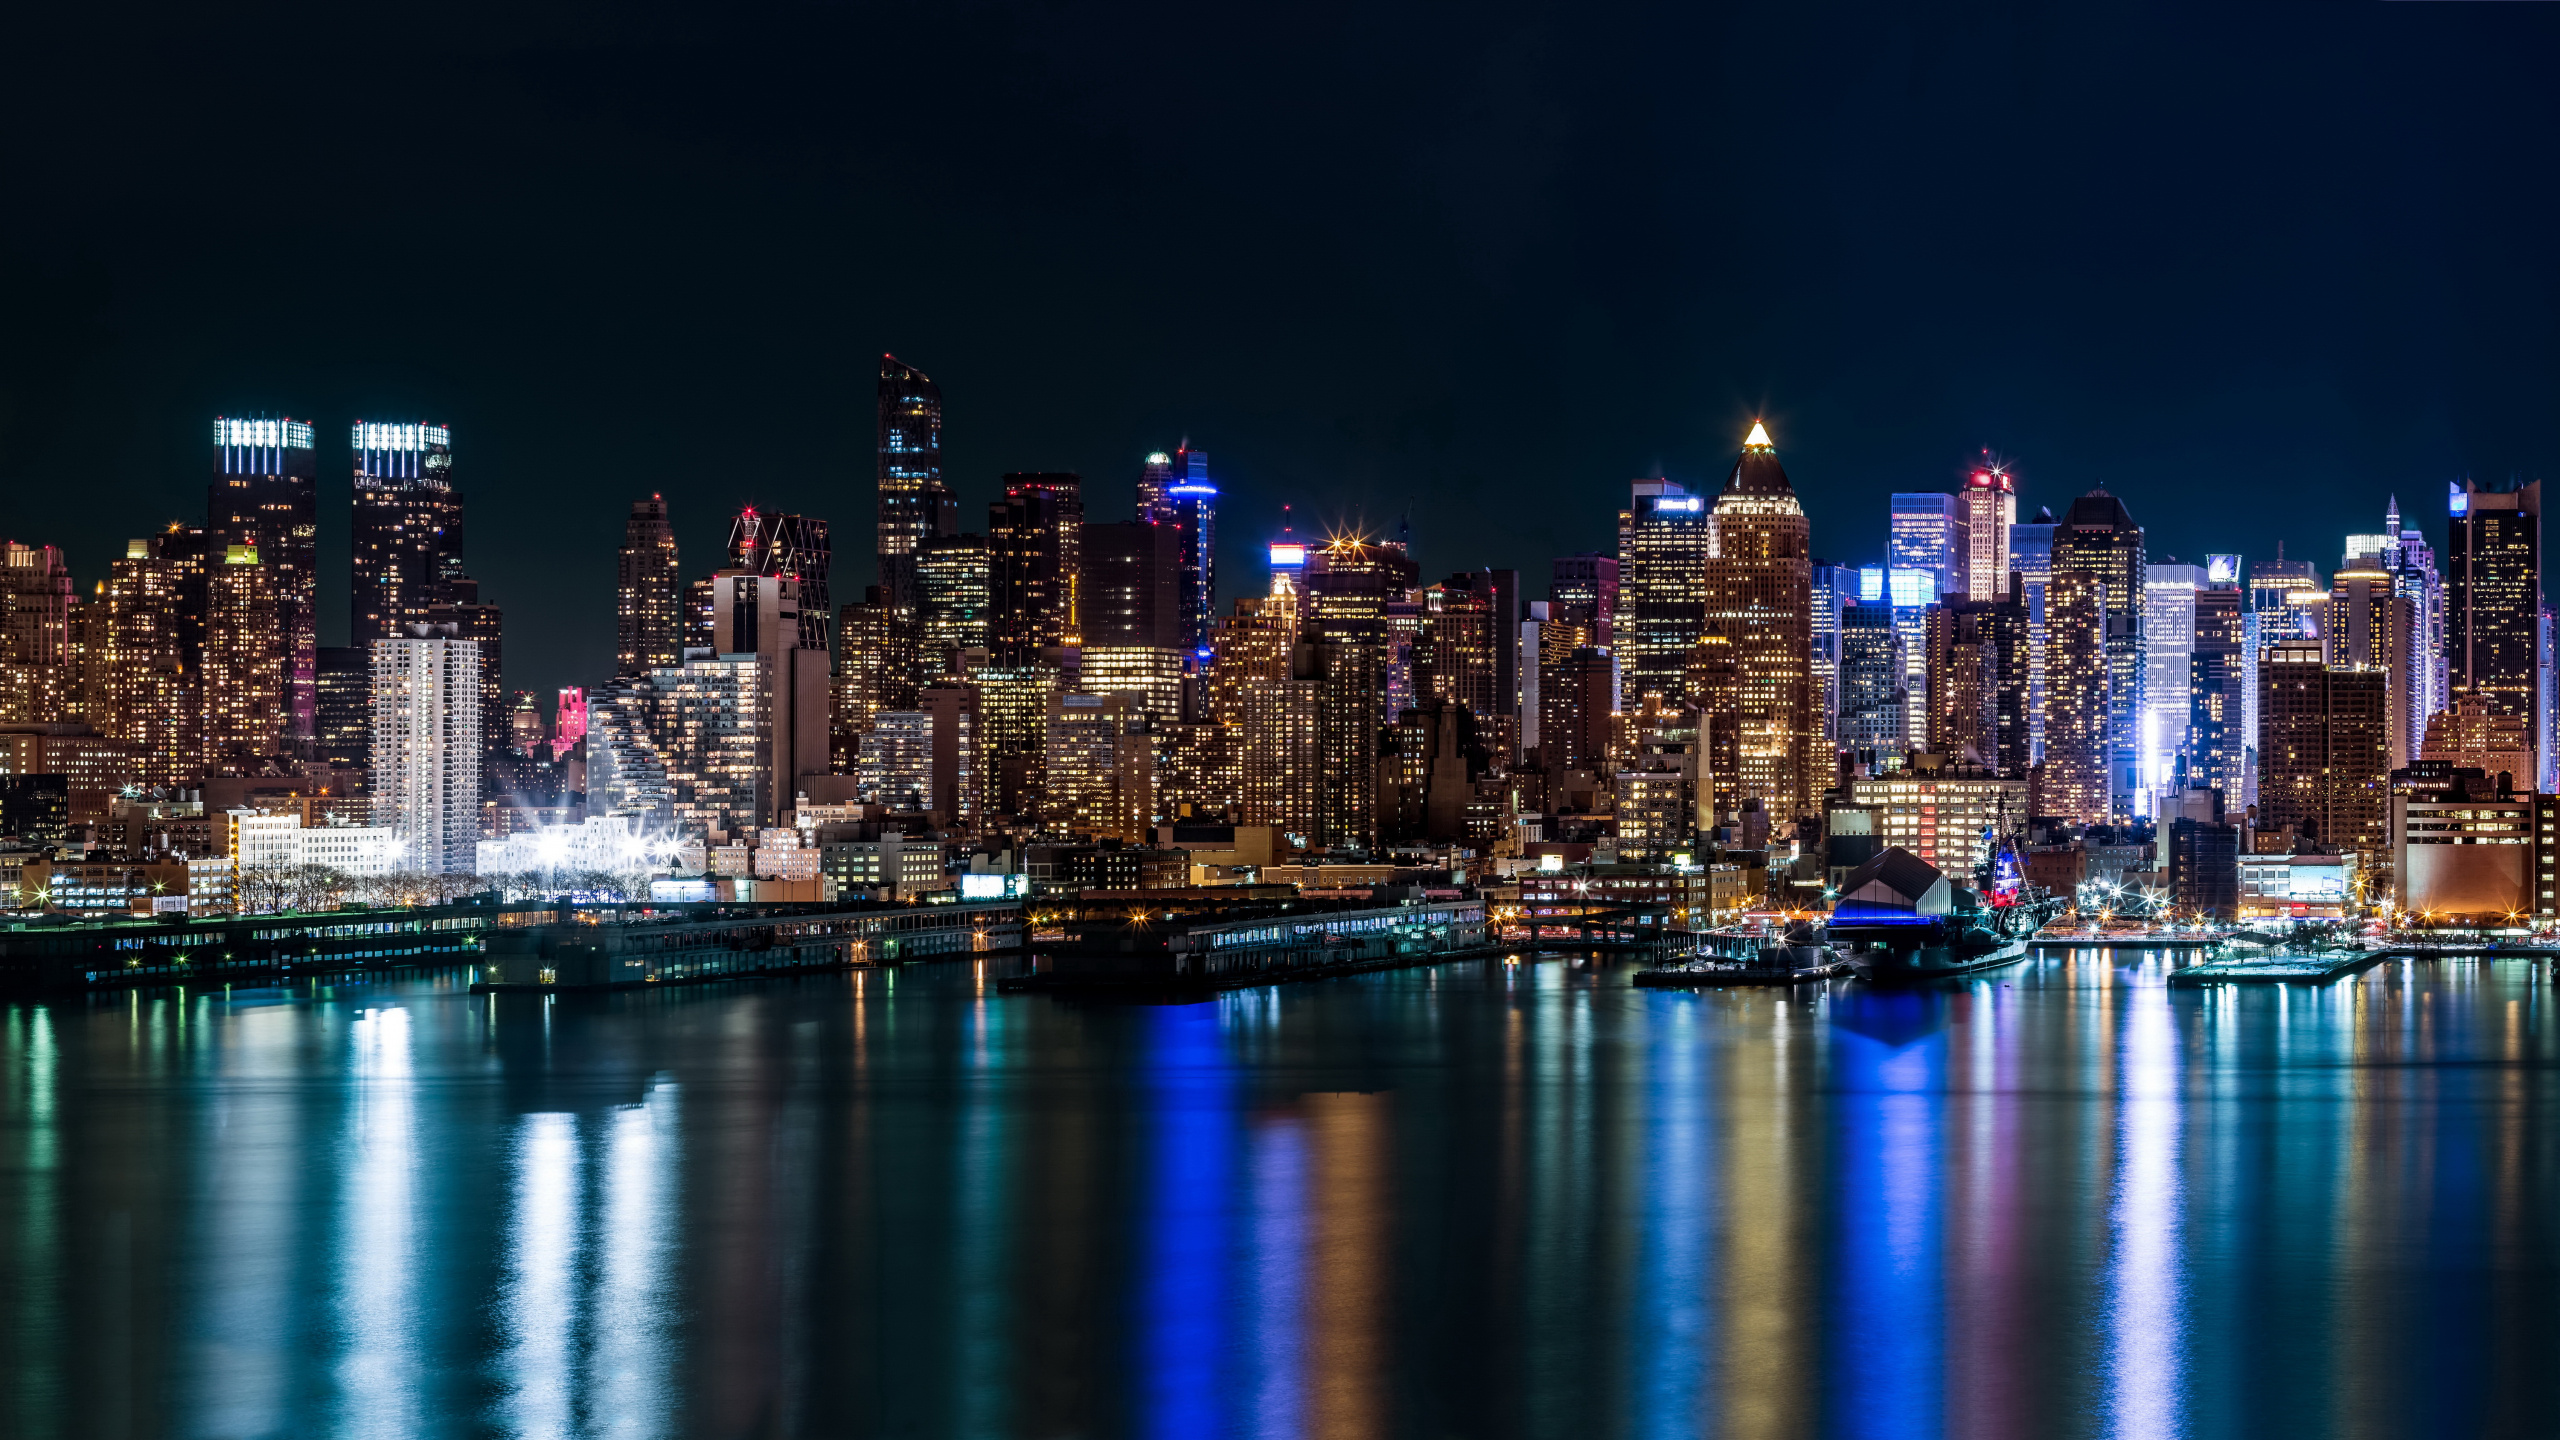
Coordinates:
259 839
426 747
613 844
2169 635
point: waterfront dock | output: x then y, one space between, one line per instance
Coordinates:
2278 970
1717 974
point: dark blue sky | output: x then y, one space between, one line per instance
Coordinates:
2254 268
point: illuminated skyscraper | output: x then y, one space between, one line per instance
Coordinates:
244 666
152 696
864 664
2414 576
265 496
1101 768
1986 507
796 548
1872 683
405 532
2368 625
914 503
1978 683
1343 649
343 732
2094 661
1036 537
2216 744
2169 592
2493 595
1456 653
427 747
648 604
2324 750
36 600
1131 612
1760 613
2031 556
758 616
1664 537
955 582
1176 490
1582 592
1923 537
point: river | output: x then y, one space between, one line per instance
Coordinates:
1484 1199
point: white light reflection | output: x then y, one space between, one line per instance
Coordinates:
378 1228
2145 1310
633 1316
537 1303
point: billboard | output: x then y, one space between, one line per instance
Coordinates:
991 887
2222 569
674 891
1288 557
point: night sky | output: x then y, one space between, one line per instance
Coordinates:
2254 268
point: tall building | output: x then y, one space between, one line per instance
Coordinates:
864 663
1872 685
1760 615
245 656
2169 592
265 496
153 695
2031 556
1923 537
405 531
2370 625
2094 662
1978 684
1131 611
914 502
793 547
36 600
1101 769
427 747
710 724
955 586
2493 598
2416 578
894 765
1835 587
1664 538
343 730
466 618
1986 507
1457 653
648 593
1036 538
1582 591
2217 744
2324 750
1176 490
758 616
956 779
1343 649
2285 600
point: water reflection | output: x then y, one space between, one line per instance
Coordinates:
1501 1200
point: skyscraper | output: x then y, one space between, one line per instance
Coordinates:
2094 661
1760 613
1176 490
343 732
1664 537
758 616
2169 592
794 547
2367 624
244 666
649 628
2493 596
914 503
1978 683
1582 591
265 496
405 532
36 600
1132 616
1036 538
1923 537
152 694
955 587
1986 507
1343 648
427 747
1873 726
2031 556
2216 744
2323 750
2414 576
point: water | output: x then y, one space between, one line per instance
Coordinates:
1482 1200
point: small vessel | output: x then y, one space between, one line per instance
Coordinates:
1904 922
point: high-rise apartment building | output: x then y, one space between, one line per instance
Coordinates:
2216 743
265 496
1872 685
648 592
1834 588
1101 769
1664 538
466 617
1176 490
759 616
405 531
866 665
152 696
2169 591
1343 649
2324 750
2493 597
1759 613
2031 557
1923 537
1986 506
2369 625
36 601
2094 651
1131 612
914 502
1978 684
1036 538
245 656
955 585
427 744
